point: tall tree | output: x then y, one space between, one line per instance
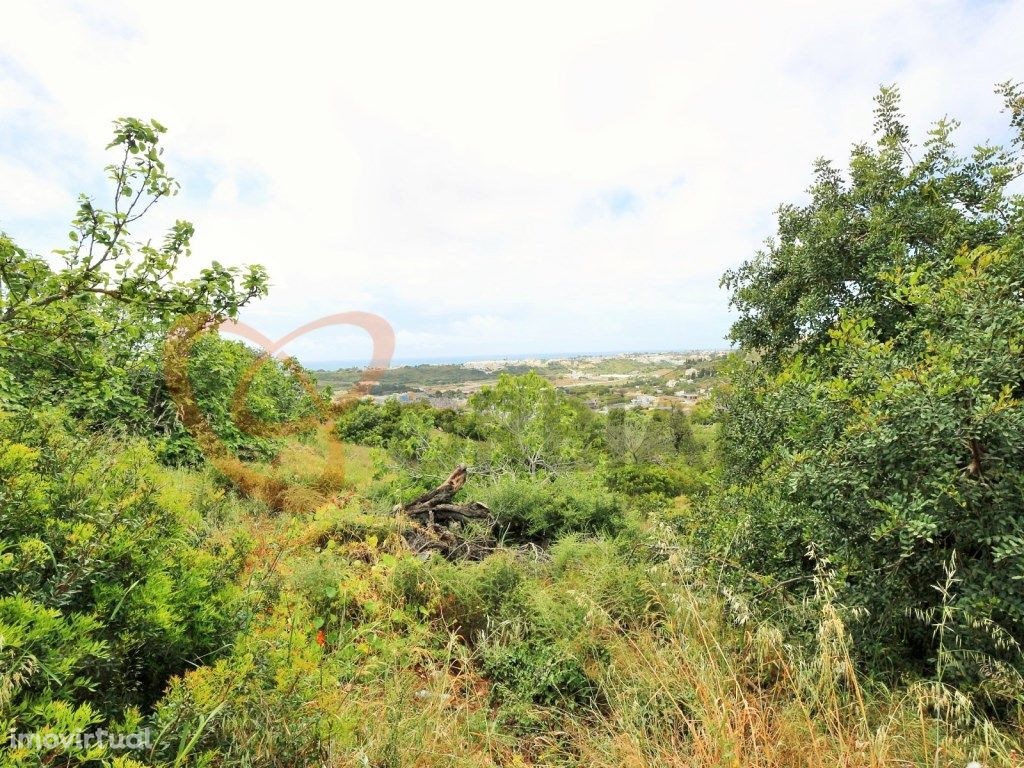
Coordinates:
875 434
899 205
84 328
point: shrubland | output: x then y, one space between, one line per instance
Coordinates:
820 567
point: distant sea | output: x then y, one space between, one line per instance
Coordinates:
399 362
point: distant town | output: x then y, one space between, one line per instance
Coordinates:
604 382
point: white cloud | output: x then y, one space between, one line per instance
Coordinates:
525 177
24 192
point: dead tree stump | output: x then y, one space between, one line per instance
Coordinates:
434 512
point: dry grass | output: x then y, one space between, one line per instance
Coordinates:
681 685
697 693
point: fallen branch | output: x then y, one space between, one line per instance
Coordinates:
433 513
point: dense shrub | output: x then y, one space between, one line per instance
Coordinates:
536 508
556 649
464 599
641 479
548 667
613 572
902 470
366 423
875 441
409 433
216 368
107 588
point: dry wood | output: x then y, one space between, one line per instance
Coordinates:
434 511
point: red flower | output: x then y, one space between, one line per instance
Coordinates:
320 638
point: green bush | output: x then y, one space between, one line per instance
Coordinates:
388 424
873 432
107 588
616 582
366 423
215 367
641 479
542 668
544 508
897 467
464 598
554 650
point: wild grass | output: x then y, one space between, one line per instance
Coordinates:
599 652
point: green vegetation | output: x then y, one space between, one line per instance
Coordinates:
599 381
821 567
112 582
417 377
875 441
403 379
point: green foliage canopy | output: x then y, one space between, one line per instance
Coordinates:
896 207
875 434
533 427
84 328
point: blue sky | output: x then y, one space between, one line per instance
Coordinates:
492 179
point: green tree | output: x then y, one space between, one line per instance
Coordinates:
875 432
85 327
684 442
898 206
638 436
531 426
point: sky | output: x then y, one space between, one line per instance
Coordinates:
492 178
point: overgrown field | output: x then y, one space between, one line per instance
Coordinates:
322 639
199 554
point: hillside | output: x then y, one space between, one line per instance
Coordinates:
671 379
806 552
